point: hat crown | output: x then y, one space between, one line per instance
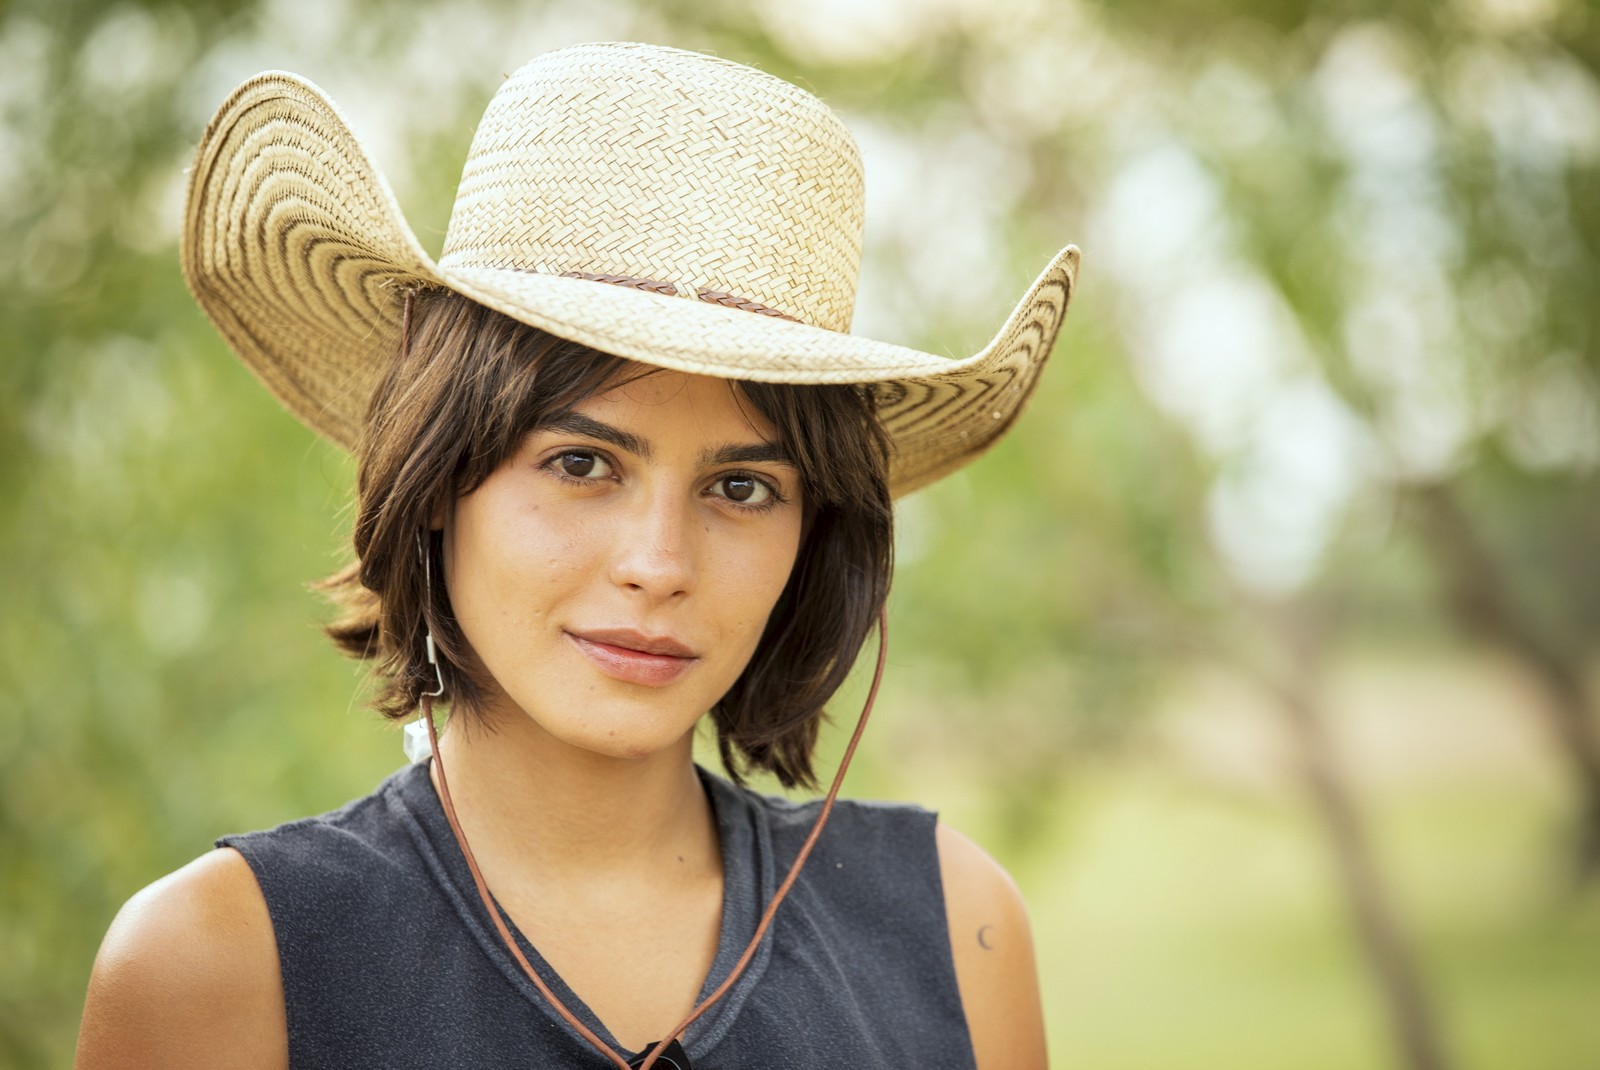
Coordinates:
647 163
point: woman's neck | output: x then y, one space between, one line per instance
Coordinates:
531 804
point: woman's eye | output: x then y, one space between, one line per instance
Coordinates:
746 490
581 464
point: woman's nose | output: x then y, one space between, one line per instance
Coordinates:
655 555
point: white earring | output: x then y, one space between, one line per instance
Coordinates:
416 744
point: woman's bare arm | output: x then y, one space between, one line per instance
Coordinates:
994 956
188 977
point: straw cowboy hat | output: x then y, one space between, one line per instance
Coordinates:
664 206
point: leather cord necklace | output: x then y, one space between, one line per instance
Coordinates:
668 1051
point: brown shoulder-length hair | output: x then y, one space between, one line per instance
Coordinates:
465 389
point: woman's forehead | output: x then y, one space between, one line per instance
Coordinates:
681 402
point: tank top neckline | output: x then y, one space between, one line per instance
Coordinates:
748 883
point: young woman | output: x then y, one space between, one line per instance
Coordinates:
621 467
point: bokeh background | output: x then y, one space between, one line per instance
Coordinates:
1263 652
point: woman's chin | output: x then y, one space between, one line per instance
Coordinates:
624 739
632 749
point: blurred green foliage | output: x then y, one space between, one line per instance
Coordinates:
1332 379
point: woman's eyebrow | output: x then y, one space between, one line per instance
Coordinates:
751 453
575 423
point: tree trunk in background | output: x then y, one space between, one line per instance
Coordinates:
1388 953
1483 604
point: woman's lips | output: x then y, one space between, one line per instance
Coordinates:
635 658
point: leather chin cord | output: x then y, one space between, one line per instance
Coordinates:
656 1051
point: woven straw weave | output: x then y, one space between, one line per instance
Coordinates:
721 192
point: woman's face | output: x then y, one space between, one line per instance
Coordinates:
615 573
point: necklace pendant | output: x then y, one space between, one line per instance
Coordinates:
672 1057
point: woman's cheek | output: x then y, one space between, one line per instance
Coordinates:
547 545
767 564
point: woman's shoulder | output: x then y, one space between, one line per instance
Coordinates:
978 889
992 945
189 972
898 870
188 976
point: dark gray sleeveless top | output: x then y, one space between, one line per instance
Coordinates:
390 961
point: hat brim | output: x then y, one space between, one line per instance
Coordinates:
295 247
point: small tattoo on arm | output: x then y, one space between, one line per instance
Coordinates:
983 937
